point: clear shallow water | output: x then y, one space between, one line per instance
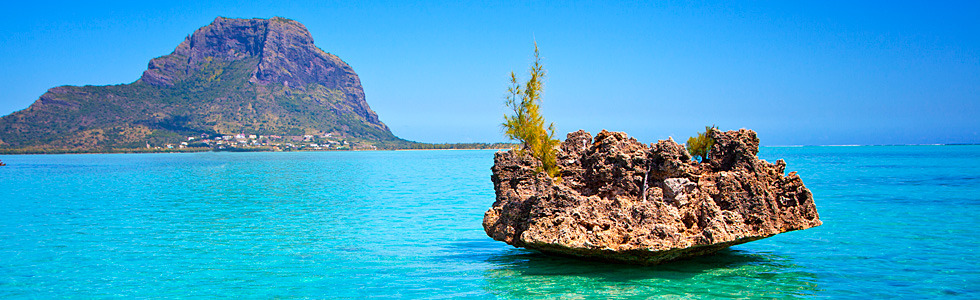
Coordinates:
898 222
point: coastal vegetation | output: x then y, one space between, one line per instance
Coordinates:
526 124
700 145
262 143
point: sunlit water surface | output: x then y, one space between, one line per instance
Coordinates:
898 222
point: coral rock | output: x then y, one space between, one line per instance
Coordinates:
619 200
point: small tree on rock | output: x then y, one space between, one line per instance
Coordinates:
699 146
527 124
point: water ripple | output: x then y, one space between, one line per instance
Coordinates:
899 222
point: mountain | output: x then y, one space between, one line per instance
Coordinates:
234 76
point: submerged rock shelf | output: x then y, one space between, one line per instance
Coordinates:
622 201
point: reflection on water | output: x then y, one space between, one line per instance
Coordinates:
728 273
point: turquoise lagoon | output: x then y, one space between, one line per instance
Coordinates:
899 222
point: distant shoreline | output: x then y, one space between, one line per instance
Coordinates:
160 151
447 147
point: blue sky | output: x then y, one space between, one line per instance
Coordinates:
798 73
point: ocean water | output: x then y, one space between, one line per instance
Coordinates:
899 222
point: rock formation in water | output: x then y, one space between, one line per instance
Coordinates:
234 76
619 200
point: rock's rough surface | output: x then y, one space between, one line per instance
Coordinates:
622 201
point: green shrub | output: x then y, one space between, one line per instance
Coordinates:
527 124
699 146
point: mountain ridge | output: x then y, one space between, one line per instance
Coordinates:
233 76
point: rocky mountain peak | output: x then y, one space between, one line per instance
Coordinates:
233 76
283 51
284 48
